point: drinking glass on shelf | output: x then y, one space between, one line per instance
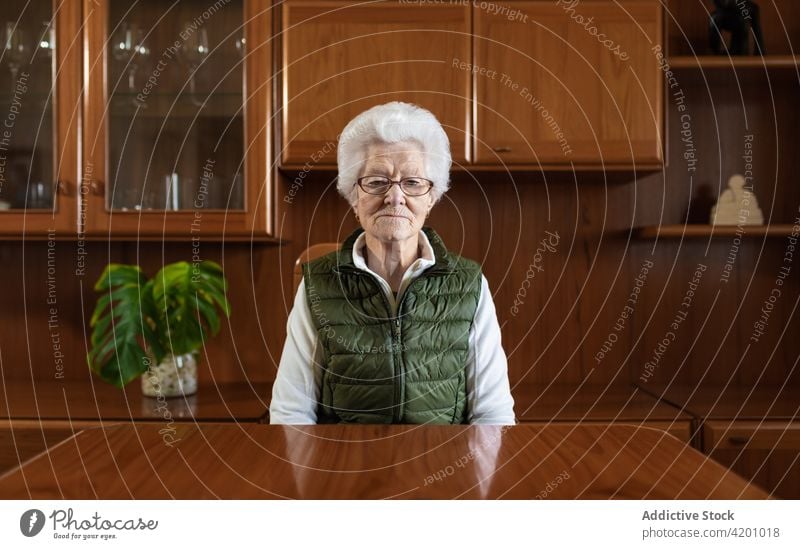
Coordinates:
235 200
172 187
127 199
39 196
47 40
193 52
153 197
128 46
15 50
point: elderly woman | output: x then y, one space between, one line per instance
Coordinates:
393 327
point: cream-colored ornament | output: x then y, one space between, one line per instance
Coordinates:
736 205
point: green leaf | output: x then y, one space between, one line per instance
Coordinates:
117 324
185 296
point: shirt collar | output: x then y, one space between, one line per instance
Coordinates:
426 256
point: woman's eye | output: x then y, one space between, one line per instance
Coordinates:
413 182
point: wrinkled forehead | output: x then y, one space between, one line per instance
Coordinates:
405 157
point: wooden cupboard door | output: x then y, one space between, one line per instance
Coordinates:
568 82
341 58
40 113
176 140
764 452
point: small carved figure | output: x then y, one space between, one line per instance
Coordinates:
737 205
739 17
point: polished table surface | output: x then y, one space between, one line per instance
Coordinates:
195 461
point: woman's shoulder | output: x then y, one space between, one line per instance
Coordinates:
323 264
463 264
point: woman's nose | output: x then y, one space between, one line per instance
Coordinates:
395 195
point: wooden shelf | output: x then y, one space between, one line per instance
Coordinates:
94 400
590 403
710 231
736 62
729 403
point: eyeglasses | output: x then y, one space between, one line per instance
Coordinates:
411 186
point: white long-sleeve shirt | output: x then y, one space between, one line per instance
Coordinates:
296 390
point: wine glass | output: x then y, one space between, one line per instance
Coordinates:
128 46
47 40
15 50
193 52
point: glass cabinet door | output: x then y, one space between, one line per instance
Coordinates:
37 162
168 99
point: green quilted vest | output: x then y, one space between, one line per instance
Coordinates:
378 368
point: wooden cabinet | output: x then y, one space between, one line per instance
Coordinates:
341 58
144 121
540 83
176 130
765 452
40 111
568 82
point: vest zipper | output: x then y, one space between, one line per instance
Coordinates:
400 387
400 392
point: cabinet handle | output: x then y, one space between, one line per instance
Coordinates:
96 188
502 149
738 440
63 188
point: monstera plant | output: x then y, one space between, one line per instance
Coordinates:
156 326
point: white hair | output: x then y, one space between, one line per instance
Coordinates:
393 122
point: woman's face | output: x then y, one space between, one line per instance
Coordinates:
394 216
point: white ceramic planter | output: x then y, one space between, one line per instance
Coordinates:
174 376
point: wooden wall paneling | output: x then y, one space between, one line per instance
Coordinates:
772 350
660 303
43 306
28 339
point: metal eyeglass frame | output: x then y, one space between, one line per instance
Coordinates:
392 182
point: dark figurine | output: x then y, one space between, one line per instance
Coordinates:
738 17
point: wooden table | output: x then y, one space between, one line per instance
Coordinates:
555 461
